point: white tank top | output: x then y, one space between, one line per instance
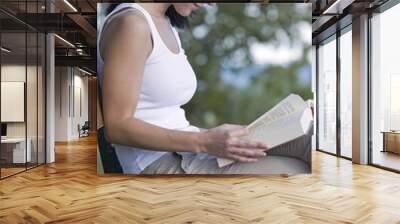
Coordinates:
168 83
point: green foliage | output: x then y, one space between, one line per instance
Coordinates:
219 40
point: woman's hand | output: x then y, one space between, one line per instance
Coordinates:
224 141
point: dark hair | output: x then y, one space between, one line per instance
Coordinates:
176 19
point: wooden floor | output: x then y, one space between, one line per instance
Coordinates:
69 191
5 172
387 159
8 171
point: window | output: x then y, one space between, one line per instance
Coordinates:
346 94
385 89
15 147
22 93
327 97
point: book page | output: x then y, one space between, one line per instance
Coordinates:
287 106
283 123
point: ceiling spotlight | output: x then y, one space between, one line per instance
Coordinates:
5 50
79 51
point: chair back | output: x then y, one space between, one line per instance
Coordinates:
107 152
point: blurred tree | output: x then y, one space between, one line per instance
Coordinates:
233 86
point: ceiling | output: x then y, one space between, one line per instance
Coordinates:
332 15
76 25
75 21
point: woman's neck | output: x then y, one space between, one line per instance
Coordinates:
156 9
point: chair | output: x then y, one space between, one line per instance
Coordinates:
84 129
108 157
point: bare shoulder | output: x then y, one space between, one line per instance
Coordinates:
130 20
127 25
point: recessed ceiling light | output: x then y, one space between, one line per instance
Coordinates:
338 6
70 5
64 40
84 71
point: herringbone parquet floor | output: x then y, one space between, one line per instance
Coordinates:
69 191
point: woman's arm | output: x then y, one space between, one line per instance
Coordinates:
125 48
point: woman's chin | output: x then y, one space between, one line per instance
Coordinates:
185 14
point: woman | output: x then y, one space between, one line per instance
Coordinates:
145 78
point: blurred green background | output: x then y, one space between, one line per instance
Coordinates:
247 57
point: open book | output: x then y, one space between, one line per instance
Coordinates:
288 120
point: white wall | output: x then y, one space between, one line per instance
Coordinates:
70 83
12 73
79 111
61 103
